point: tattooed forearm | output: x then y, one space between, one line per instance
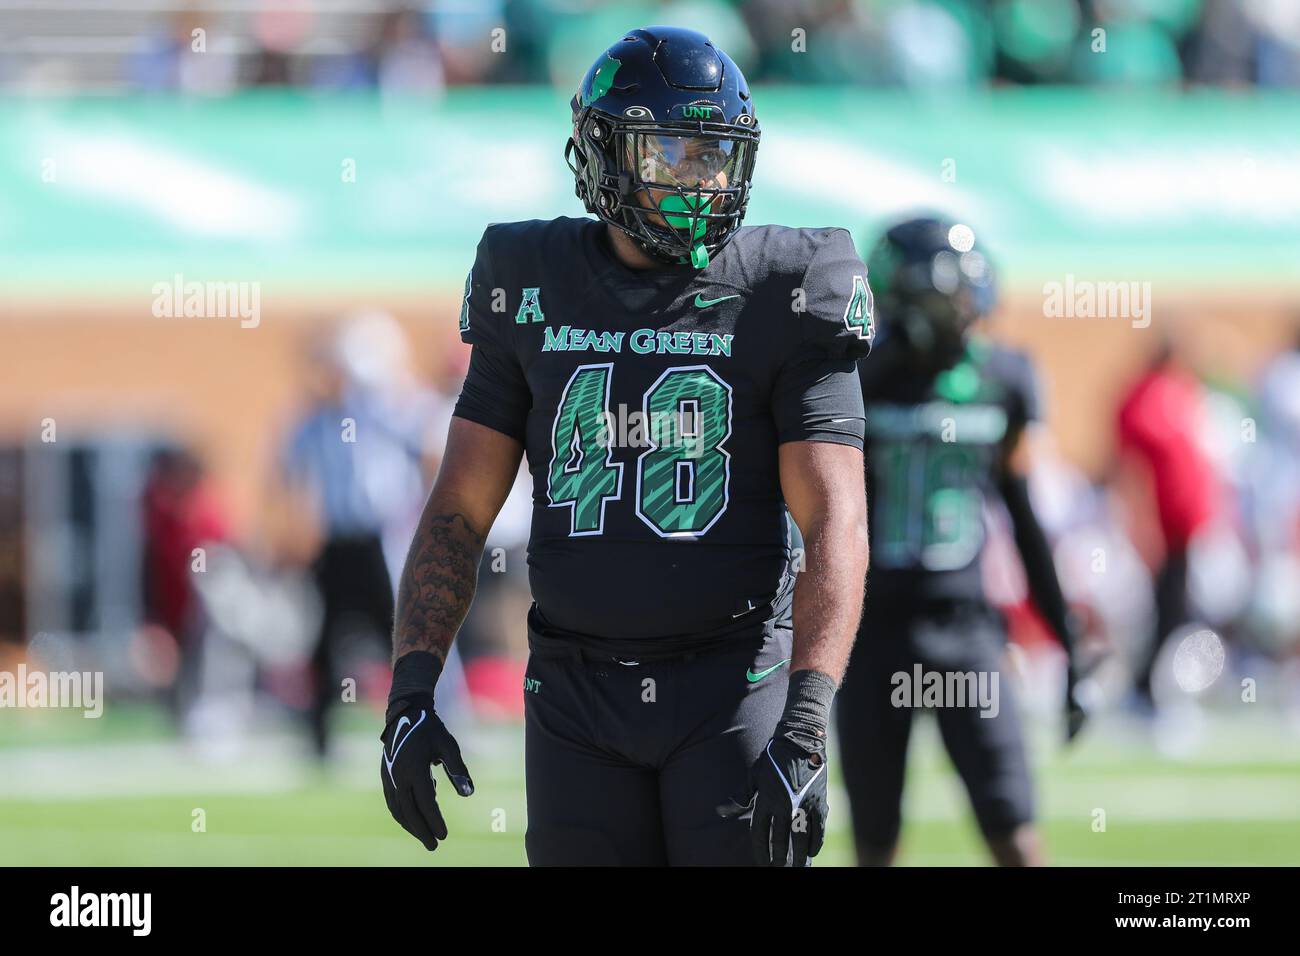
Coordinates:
437 584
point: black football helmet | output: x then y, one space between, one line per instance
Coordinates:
931 282
664 140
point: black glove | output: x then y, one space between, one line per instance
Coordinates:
789 778
1076 715
414 740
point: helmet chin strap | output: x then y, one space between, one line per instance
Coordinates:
682 213
699 257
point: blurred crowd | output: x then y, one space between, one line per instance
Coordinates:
423 46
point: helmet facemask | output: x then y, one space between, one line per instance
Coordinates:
934 327
929 294
679 188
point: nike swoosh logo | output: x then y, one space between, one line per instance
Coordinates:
796 797
703 303
403 722
755 678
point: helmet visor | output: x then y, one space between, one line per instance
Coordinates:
693 162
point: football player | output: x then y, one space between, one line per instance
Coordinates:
948 422
675 382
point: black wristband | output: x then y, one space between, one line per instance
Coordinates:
414 674
808 704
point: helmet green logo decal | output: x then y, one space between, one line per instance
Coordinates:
602 81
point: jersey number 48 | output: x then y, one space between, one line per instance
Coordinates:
683 476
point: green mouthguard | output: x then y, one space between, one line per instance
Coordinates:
688 204
678 204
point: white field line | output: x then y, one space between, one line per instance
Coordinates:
270 764
132 770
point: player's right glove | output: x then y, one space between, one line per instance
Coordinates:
789 778
414 741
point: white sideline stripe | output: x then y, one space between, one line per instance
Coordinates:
272 764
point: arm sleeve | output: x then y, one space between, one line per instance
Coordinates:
1036 556
495 393
818 395
1027 403
1031 541
819 398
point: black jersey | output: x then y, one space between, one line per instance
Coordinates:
935 450
651 405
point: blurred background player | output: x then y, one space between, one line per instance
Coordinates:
1171 487
948 432
1274 502
181 512
353 471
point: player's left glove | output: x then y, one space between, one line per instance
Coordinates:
789 777
1082 658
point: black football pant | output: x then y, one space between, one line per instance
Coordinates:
356 598
627 763
1171 613
874 718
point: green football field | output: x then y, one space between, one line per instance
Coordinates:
124 791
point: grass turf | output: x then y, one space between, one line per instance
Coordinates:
123 794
